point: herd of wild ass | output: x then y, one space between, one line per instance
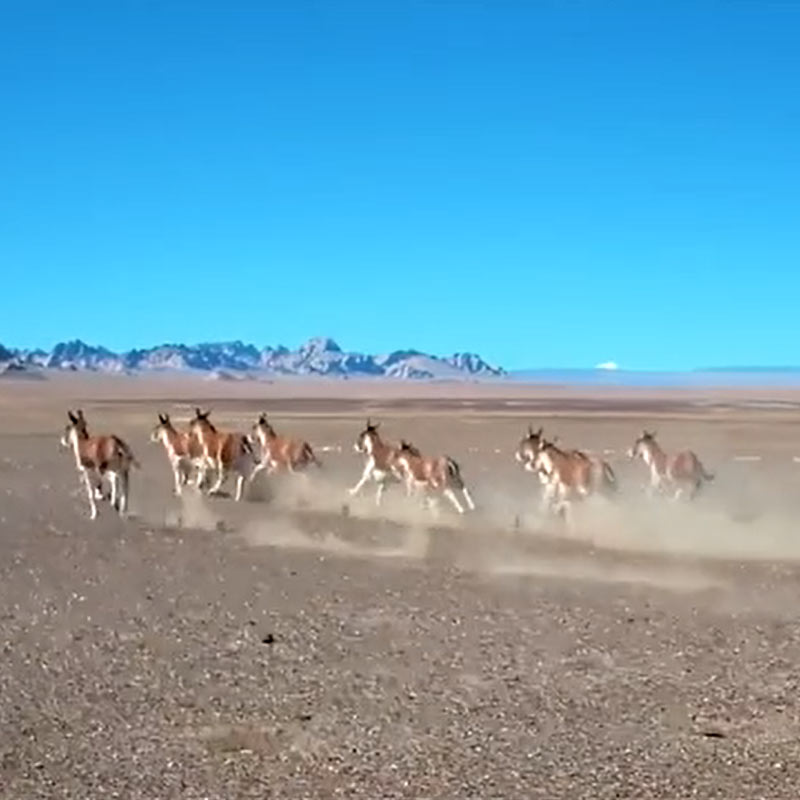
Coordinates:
202 450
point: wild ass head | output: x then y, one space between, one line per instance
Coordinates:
75 429
408 449
365 441
200 423
263 427
164 426
643 446
528 445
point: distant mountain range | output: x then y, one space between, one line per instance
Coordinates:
236 360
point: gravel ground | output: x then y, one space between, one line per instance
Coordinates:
320 656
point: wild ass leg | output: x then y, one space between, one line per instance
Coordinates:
451 496
112 479
124 480
202 471
221 476
656 483
239 486
379 493
90 493
548 495
365 476
177 474
260 467
565 512
468 498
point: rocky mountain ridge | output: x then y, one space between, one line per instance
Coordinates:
318 356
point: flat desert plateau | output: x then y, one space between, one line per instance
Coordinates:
303 644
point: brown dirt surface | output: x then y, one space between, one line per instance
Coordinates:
304 645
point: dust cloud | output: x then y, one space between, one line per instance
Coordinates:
509 537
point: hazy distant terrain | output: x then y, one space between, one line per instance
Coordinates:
711 376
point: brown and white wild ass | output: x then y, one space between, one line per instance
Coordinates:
571 475
226 452
438 475
183 450
281 452
381 460
681 471
97 457
602 477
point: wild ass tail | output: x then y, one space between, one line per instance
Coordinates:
247 447
125 451
609 477
453 472
310 456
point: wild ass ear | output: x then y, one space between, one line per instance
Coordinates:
540 432
79 412
72 418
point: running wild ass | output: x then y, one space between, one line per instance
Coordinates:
226 452
438 475
381 461
681 471
281 452
99 456
571 475
183 451
602 477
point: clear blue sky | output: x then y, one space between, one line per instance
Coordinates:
549 183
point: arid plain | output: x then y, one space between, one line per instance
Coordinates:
303 644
